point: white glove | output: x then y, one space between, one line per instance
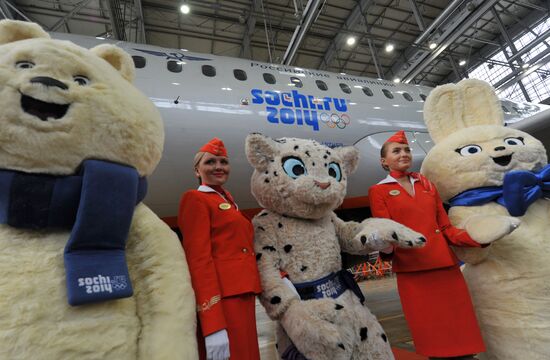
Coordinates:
217 345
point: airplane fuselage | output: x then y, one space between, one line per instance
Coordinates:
202 96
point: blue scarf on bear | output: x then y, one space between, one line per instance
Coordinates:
97 205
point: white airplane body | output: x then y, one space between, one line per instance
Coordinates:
195 107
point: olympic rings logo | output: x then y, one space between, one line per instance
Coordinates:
334 120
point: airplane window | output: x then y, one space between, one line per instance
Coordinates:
174 66
345 88
367 91
505 109
239 74
388 93
321 85
139 62
407 96
423 97
270 79
209 70
297 82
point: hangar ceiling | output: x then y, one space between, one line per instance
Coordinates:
434 41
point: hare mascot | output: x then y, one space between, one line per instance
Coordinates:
481 167
319 308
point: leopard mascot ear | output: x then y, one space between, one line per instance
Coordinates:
260 150
350 158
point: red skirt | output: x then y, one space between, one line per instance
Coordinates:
240 316
439 312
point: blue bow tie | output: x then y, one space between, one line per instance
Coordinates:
519 189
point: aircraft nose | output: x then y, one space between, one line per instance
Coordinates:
322 185
48 81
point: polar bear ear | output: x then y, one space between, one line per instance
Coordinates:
481 103
118 58
350 158
260 151
443 111
12 30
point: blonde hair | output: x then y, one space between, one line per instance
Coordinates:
196 160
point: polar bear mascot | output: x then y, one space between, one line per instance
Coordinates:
298 240
87 270
481 167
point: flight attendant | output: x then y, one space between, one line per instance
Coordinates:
218 244
435 299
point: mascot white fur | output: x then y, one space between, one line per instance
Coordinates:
484 168
76 141
299 183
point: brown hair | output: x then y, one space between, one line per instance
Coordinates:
383 151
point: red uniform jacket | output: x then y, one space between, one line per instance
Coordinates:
218 244
425 214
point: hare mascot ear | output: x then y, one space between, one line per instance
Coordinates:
451 107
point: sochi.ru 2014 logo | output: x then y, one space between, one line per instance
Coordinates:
294 108
334 120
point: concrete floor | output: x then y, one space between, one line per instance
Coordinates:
382 300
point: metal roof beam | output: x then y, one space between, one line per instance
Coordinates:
140 35
417 15
527 4
510 62
246 51
488 51
69 16
518 74
541 59
439 20
353 19
5 11
375 59
457 72
117 22
450 34
311 12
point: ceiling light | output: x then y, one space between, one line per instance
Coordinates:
389 47
351 40
185 9
462 62
396 80
432 46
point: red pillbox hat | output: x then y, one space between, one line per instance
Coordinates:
398 137
214 147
